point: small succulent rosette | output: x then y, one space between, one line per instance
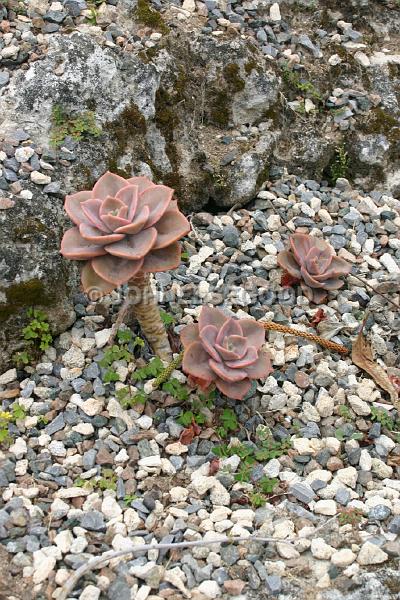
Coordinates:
314 262
123 227
226 352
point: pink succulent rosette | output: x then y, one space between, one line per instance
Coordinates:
225 351
123 227
315 263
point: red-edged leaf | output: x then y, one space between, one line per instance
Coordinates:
214 466
318 317
203 384
288 280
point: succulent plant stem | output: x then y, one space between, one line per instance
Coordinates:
147 313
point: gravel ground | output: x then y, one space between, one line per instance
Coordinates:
89 470
311 457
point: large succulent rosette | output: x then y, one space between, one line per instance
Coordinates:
123 227
224 351
315 263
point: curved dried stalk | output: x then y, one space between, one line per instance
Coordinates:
308 336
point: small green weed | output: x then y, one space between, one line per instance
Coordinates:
77 127
37 332
340 164
166 318
292 77
176 389
229 423
129 498
345 412
149 371
21 359
121 351
380 415
6 417
107 481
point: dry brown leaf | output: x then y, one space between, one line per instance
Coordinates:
362 356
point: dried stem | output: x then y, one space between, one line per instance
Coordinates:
146 311
309 336
368 285
95 562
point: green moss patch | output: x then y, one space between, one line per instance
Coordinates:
148 16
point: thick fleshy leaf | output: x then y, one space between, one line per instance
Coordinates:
162 260
317 261
301 244
314 295
211 316
91 208
111 205
253 332
230 327
75 247
73 207
134 247
109 184
248 359
157 198
328 284
235 391
337 267
129 196
116 270
195 362
142 182
235 347
172 226
287 261
94 235
138 222
261 368
114 222
226 373
93 285
208 336
189 334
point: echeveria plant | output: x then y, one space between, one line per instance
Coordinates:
123 227
124 230
315 263
225 351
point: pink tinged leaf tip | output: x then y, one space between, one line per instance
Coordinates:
141 182
249 358
75 247
129 195
134 247
189 334
109 184
114 270
208 336
211 316
73 207
138 222
93 285
91 209
196 362
94 235
235 391
226 373
172 226
163 260
230 327
157 199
